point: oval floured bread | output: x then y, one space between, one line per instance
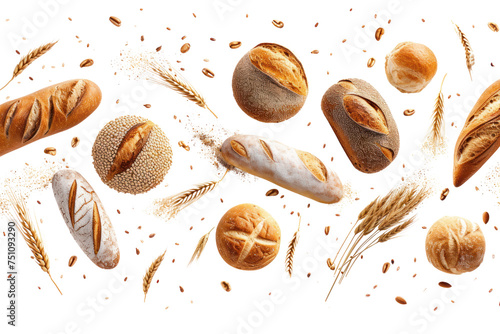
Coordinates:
479 138
295 170
363 124
86 218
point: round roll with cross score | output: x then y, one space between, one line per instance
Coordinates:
248 237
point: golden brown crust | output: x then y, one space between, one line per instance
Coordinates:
454 245
263 94
363 124
46 112
410 67
478 139
281 64
248 237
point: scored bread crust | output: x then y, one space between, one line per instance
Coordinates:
454 245
46 112
410 67
463 170
81 207
262 96
369 149
248 237
295 170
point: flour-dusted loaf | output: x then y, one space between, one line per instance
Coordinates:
248 237
295 170
269 83
86 218
363 124
479 138
46 112
455 245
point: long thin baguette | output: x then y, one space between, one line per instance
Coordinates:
46 112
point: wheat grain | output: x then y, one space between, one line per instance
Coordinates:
172 79
469 55
28 59
392 233
291 250
200 246
148 277
25 224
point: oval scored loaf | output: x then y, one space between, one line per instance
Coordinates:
363 124
479 138
46 112
295 170
86 218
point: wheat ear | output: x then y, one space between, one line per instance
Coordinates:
172 79
148 277
200 246
436 132
469 55
171 206
291 250
25 224
28 59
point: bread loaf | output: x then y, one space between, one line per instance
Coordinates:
132 154
295 170
362 123
86 219
248 237
479 138
46 112
455 245
410 67
269 83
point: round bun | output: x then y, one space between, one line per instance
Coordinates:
132 154
410 67
269 83
248 238
455 245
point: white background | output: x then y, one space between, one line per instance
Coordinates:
295 305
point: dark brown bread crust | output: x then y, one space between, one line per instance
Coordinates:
261 96
46 112
369 150
476 121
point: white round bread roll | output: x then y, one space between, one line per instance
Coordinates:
410 67
454 245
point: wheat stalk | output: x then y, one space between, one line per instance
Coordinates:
380 221
435 137
28 59
171 206
291 250
25 224
172 79
148 277
200 246
469 56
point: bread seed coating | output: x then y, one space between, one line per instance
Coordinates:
152 161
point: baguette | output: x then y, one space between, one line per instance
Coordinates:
362 123
479 138
295 170
46 112
86 219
